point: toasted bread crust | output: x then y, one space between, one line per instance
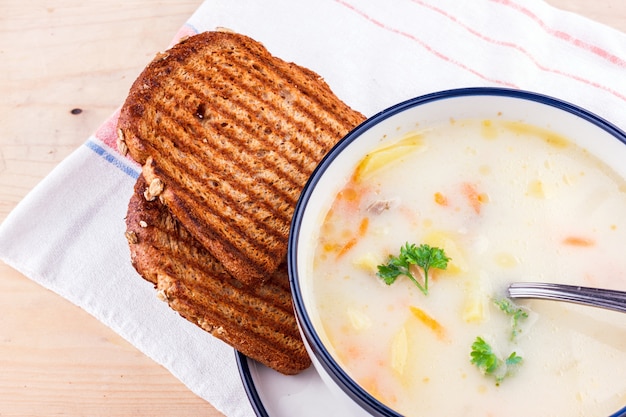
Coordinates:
233 133
256 320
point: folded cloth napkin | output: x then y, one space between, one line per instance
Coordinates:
68 233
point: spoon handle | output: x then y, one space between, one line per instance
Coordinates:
596 297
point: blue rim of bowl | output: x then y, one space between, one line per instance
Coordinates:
249 385
347 384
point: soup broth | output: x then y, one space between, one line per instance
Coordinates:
507 202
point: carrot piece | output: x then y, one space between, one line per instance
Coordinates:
363 226
350 244
578 241
441 199
430 322
348 194
345 248
474 198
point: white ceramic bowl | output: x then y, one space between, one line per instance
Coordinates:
587 130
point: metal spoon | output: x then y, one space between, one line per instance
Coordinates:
596 297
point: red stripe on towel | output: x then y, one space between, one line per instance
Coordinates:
424 45
521 49
601 52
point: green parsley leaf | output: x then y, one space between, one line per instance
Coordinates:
483 357
516 313
513 360
431 257
490 364
424 256
389 273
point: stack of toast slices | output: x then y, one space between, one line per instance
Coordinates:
227 136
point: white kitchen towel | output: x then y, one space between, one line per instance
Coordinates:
68 233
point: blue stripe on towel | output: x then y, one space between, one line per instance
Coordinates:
113 159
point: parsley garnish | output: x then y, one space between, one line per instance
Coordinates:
424 256
490 364
516 313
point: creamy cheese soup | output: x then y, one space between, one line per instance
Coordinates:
507 202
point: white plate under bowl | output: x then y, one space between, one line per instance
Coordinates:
273 394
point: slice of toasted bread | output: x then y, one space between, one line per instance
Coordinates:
228 135
256 320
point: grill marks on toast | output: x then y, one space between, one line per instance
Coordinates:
256 316
232 197
220 212
219 163
272 168
253 315
282 97
269 349
258 321
234 133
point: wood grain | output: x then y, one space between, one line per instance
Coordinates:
56 56
58 360
609 12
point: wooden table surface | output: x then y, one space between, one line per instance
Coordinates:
56 56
